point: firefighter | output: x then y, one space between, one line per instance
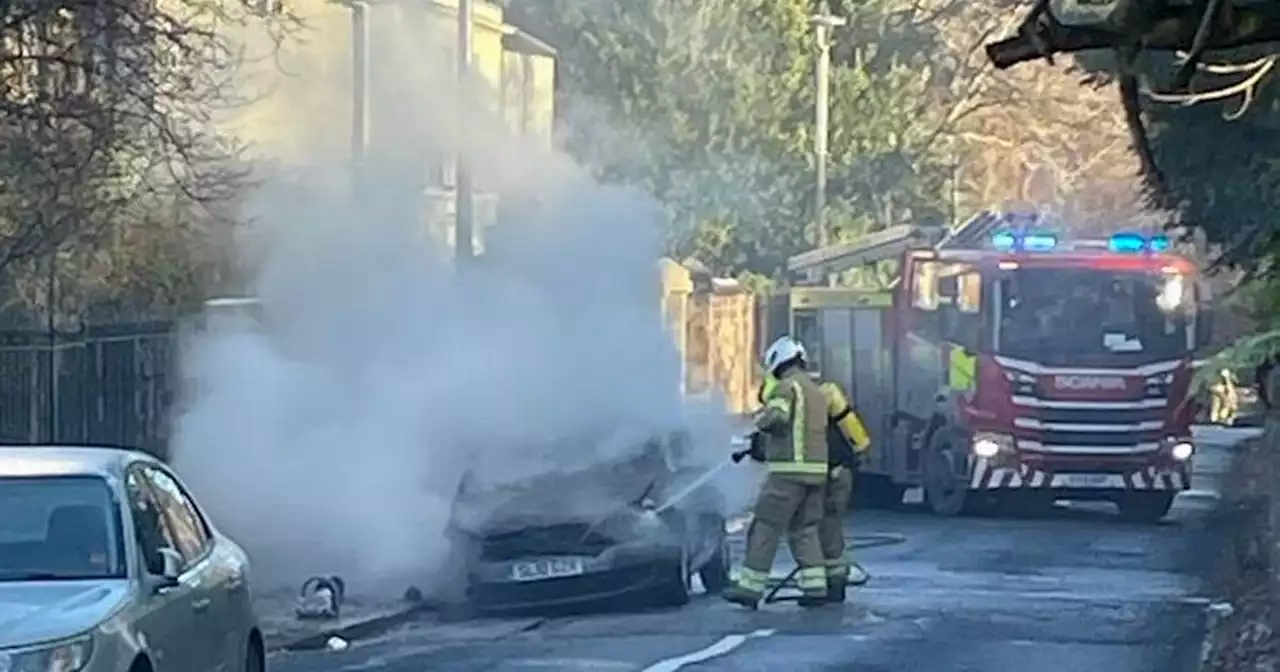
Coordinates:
847 440
1224 401
792 425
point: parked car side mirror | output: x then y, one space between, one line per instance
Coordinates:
172 568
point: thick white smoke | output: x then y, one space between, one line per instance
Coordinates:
334 438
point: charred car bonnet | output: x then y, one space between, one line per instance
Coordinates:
594 534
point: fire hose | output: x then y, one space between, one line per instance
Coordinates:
777 583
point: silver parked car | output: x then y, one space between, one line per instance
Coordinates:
108 565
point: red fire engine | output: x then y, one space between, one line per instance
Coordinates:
1009 365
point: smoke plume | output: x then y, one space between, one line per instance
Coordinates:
333 434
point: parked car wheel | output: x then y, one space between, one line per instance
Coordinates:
676 589
715 574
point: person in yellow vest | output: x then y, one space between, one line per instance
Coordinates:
1224 400
792 425
847 441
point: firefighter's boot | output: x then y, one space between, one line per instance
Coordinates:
813 601
741 596
836 591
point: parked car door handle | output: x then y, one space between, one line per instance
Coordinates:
201 604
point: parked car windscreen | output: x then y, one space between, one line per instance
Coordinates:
59 528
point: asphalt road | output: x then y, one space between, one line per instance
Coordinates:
1076 591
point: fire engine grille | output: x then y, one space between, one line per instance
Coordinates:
1100 439
1095 427
1089 416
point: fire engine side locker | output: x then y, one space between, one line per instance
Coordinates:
845 330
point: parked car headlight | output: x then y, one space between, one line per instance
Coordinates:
70 655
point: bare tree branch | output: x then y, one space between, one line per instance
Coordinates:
1246 88
107 103
1174 28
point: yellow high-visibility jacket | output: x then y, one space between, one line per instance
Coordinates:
794 427
848 437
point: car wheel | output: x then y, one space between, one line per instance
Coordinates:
945 493
715 574
677 584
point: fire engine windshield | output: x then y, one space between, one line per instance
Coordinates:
1087 315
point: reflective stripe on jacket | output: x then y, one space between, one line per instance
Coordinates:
846 437
795 417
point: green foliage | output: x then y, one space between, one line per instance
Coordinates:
1220 167
760 285
1226 176
1247 352
709 106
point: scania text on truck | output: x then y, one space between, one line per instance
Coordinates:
1011 365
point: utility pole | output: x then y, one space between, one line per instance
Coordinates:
823 24
464 206
359 95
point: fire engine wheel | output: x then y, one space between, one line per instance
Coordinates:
946 490
1145 507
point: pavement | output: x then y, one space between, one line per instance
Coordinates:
1073 591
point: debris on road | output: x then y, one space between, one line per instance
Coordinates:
361 615
321 598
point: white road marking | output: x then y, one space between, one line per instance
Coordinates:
720 648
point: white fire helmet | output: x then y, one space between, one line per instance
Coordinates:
782 351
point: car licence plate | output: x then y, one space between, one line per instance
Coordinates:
550 568
1087 480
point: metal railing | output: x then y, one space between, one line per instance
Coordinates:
105 385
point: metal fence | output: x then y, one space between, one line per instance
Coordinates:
104 385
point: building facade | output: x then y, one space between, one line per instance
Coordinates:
304 101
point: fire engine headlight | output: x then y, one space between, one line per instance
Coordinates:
988 445
1182 450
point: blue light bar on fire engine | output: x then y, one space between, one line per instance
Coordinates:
1009 241
1135 243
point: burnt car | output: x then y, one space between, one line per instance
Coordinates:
608 533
